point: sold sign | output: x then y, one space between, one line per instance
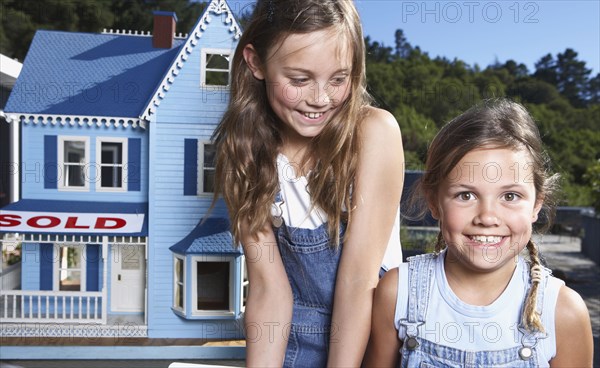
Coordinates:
60 222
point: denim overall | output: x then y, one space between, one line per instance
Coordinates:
311 265
419 352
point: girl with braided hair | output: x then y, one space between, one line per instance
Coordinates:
476 301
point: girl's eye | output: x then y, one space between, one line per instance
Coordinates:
466 196
338 81
298 81
510 197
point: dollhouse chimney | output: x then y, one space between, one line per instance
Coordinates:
164 29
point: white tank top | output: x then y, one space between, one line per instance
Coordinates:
454 323
294 206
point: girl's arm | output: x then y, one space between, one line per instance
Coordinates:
384 346
375 200
269 305
574 341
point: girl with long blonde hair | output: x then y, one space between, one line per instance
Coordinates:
312 176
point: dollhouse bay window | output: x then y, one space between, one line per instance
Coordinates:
208 273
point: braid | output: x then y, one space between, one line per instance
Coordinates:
531 318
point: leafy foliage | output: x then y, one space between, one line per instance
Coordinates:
424 93
21 18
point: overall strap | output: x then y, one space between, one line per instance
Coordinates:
420 280
529 339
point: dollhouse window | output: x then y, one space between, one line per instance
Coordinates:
206 165
212 287
216 65
73 160
111 156
179 289
70 269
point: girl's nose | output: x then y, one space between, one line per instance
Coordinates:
487 216
319 95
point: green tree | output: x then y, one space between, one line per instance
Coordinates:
572 77
403 47
592 176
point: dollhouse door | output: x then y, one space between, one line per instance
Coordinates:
128 278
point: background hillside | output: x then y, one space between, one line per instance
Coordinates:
422 92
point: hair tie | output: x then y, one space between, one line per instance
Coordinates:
536 274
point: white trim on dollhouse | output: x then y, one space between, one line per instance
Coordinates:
73 120
129 32
217 7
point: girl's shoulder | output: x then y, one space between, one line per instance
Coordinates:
379 126
375 117
574 339
570 307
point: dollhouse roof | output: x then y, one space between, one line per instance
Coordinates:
86 74
210 236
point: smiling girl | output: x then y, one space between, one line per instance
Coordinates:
477 302
312 177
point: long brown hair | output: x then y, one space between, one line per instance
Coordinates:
504 124
249 135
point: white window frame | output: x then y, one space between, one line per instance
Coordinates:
61 163
180 282
244 285
205 53
200 184
56 268
194 293
123 141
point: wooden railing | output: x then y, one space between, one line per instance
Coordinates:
52 306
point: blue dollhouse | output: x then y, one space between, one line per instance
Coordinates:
118 247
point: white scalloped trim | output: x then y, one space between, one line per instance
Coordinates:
73 120
129 32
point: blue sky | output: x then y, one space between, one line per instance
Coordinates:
484 31
481 32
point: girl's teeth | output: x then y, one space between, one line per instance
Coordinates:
313 115
487 239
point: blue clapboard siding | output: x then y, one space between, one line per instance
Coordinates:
186 113
35 139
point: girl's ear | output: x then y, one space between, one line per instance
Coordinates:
536 209
433 207
253 62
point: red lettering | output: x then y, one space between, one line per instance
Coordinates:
103 223
72 224
34 221
10 220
